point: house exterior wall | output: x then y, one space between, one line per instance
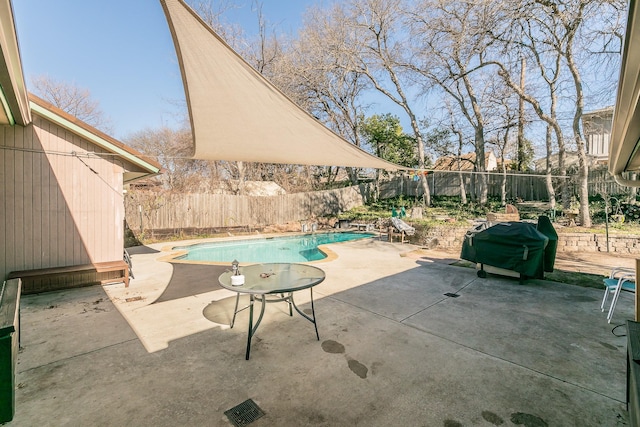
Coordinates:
597 131
59 209
598 144
491 163
467 162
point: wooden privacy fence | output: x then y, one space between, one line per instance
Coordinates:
150 211
601 182
525 187
530 187
153 211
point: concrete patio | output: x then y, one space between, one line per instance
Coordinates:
393 350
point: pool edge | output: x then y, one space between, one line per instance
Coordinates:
175 253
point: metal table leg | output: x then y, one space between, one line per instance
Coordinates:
235 310
311 319
263 300
253 328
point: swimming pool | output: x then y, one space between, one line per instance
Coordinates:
301 248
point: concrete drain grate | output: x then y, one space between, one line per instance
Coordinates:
244 413
451 295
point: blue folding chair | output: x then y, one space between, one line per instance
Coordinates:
620 279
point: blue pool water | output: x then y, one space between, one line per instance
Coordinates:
275 249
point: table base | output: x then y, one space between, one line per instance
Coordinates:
288 298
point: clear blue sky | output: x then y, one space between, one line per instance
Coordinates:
122 52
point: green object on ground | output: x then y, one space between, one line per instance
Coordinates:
546 228
9 331
515 246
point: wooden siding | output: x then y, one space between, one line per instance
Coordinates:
59 209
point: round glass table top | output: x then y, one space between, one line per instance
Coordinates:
274 278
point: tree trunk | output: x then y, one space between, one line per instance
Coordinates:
421 160
564 184
585 216
480 164
503 184
523 63
548 170
481 178
241 178
463 192
353 175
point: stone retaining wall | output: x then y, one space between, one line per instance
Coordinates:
451 238
590 242
447 238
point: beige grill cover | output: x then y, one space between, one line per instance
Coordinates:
236 114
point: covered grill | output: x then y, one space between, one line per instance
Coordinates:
518 247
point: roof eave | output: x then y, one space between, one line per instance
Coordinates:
625 134
14 103
55 115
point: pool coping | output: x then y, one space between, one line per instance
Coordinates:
175 253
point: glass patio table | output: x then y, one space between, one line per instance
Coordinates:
273 282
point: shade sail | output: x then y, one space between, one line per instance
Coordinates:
237 114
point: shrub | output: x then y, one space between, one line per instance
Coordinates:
631 212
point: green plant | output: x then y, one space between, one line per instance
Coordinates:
362 213
631 212
450 207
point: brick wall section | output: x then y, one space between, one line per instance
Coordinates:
451 238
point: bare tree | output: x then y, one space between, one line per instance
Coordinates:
574 18
449 38
557 35
169 148
213 13
266 50
548 65
571 15
460 143
508 118
317 72
405 49
377 48
72 99
447 140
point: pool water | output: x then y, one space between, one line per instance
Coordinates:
302 248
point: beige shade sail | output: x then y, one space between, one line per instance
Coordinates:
238 115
